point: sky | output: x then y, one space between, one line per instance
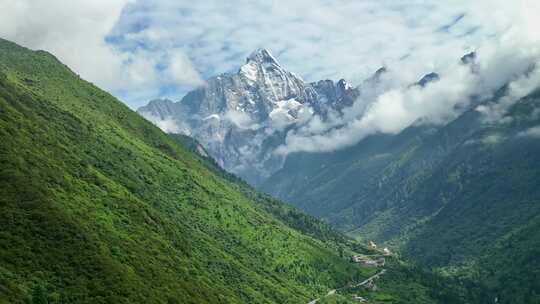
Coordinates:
140 50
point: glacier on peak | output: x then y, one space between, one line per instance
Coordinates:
240 118
261 56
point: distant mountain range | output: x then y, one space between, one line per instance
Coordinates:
461 197
242 117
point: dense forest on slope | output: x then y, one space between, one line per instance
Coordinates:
403 283
462 198
97 205
289 215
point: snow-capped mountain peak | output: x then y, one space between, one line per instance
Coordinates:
240 117
268 81
262 67
344 85
262 56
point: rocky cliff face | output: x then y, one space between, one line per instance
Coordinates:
241 117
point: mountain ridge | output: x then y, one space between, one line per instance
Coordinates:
451 197
259 102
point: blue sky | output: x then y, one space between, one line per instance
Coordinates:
315 39
140 50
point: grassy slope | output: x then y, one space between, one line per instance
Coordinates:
99 206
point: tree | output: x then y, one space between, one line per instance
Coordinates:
39 295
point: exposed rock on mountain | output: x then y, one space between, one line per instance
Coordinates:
428 78
241 117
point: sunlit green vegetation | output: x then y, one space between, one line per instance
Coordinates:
99 206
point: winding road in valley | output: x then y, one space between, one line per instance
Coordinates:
364 282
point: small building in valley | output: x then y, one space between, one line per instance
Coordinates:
368 261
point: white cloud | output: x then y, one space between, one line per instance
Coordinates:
241 119
531 132
164 44
518 88
389 111
72 30
76 31
180 69
505 56
343 38
438 103
166 124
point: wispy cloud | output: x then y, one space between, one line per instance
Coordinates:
531 132
317 39
77 32
162 48
72 30
509 55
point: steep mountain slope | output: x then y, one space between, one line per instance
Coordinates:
242 117
463 196
99 206
287 214
401 282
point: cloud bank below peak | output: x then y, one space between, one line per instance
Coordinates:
510 55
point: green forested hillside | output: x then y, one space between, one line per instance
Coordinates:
99 206
287 214
487 201
402 283
462 198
